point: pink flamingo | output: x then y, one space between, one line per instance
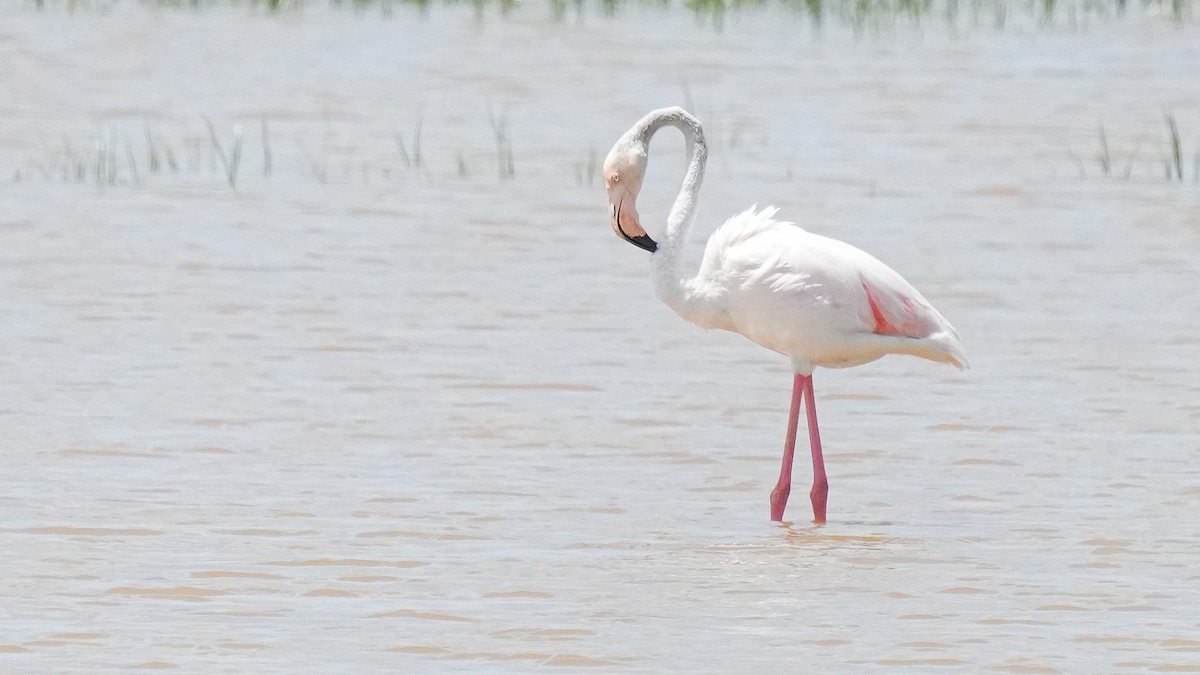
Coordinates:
819 301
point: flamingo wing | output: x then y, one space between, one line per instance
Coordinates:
896 307
817 298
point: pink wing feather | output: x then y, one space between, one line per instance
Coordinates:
896 313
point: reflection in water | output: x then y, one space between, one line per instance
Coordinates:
358 415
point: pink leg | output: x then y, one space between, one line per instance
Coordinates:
783 488
820 487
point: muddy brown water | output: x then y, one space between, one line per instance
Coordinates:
364 416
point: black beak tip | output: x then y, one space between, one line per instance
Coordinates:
644 242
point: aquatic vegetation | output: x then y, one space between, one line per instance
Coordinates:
857 13
1175 163
411 160
232 160
502 131
134 153
1172 156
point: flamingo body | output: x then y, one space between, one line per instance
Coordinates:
819 301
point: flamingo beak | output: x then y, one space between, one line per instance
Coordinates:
625 224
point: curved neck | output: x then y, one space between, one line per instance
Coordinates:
666 262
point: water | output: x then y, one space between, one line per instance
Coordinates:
362 416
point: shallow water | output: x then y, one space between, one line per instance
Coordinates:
365 416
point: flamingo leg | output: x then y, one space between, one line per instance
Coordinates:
820 487
783 487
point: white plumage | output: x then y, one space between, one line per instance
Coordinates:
819 301
806 296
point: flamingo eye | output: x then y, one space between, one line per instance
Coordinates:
616 178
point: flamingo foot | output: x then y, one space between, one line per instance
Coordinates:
819 496
779 497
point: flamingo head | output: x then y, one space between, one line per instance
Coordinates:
623 171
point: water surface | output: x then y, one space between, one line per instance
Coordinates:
364 415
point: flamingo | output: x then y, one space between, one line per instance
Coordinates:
816 300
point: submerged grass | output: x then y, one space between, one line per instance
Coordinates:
125 155
858 13
1175 163
502 131
232 160
412 160
1172 155
134 152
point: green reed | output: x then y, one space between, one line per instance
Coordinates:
1172 154
858 13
